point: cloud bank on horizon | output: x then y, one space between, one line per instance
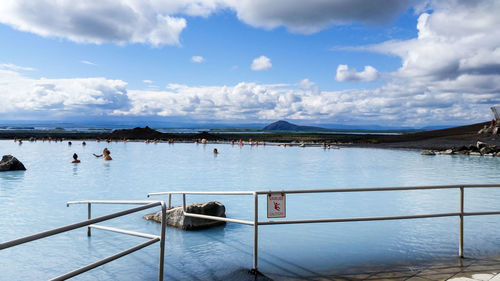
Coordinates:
449 73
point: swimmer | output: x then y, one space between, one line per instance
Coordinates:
69 143
106 153
75 158
215 151
84 143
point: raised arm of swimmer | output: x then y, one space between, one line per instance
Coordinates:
106 153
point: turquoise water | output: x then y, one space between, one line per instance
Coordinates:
35 200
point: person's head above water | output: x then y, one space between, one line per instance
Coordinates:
75 158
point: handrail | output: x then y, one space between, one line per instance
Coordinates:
381 188
90 223
255 223
327 190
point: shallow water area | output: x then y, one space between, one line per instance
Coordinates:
35 200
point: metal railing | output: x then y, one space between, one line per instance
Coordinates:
256 223
91 223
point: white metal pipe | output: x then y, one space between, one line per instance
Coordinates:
335 190
105 260
121 202
461 225
217 218
89 216
162 240
358 219
482 213
202 193
256 233
128 232
58 230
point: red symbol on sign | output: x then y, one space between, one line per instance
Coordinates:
276 206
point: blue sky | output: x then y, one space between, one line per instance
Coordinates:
387 62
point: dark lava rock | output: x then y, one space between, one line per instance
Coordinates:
176 218
10 163
287 126
138 133
206 135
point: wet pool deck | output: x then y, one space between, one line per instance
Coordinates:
468 269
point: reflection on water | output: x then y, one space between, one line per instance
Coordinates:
12 176
214 254
75 169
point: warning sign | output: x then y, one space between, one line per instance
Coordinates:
276 205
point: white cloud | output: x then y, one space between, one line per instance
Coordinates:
197 59
345 74
88 62
147 81
159 23
120 22
261 63
457 38
305 101
450 74
14 67
396 103
26 97
313 15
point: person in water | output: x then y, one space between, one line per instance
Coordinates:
215 151
75 158
106 153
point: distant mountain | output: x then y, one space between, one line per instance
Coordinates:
287 126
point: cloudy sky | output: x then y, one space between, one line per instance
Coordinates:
358 62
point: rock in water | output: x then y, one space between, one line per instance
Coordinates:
176 218
480 144
427 152
10 163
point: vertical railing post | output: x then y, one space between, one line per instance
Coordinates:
89 216
162 241
170 201
255 233
461 239
184 202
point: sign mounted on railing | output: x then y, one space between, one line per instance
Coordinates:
276 205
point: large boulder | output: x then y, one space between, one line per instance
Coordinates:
176 218
10 163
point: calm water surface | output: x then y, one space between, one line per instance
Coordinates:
35 200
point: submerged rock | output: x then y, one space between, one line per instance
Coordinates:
448 152
10 163
428 152
176 218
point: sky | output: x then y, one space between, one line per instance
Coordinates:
411 63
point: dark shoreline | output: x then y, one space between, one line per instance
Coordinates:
435 139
